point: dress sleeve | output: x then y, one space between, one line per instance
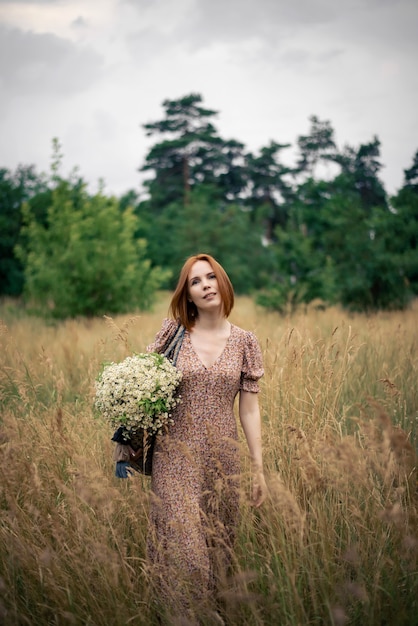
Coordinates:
252 365
166 331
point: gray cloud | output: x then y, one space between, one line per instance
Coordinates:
275 22
295 56
140 4
45 63
268 20
330 55
79 22
305 57
30 1
146 45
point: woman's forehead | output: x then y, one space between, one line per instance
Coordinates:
200 268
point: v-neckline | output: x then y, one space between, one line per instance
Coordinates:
220 355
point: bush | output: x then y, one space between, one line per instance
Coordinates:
85 260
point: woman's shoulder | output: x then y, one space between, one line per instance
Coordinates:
242 333
246 340
168 324
167 329
252 358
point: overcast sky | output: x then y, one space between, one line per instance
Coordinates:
91 72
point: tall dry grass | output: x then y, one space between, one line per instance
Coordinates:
336 542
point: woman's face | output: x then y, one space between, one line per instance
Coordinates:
202 286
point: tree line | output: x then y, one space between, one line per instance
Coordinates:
320 229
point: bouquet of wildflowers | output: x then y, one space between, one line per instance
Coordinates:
138 393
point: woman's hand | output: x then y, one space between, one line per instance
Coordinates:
249 413
259 490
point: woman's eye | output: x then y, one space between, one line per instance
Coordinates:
212 276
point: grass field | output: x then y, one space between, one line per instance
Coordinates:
335 543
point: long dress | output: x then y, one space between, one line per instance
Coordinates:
195 478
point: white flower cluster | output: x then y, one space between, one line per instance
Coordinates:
139 392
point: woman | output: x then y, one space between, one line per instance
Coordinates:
196 465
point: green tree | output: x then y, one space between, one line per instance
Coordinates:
318 145
403 232
361 168
367 272
411 175
23 185
301 274
175 159
339 243
191 153
270 188
358 233
205 224
85 260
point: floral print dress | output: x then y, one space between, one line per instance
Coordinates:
196 465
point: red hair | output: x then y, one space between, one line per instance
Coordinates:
185 311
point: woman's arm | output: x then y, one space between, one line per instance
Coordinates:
249 413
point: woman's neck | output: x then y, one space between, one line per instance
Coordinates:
211 321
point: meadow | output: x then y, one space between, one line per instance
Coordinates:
335 543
